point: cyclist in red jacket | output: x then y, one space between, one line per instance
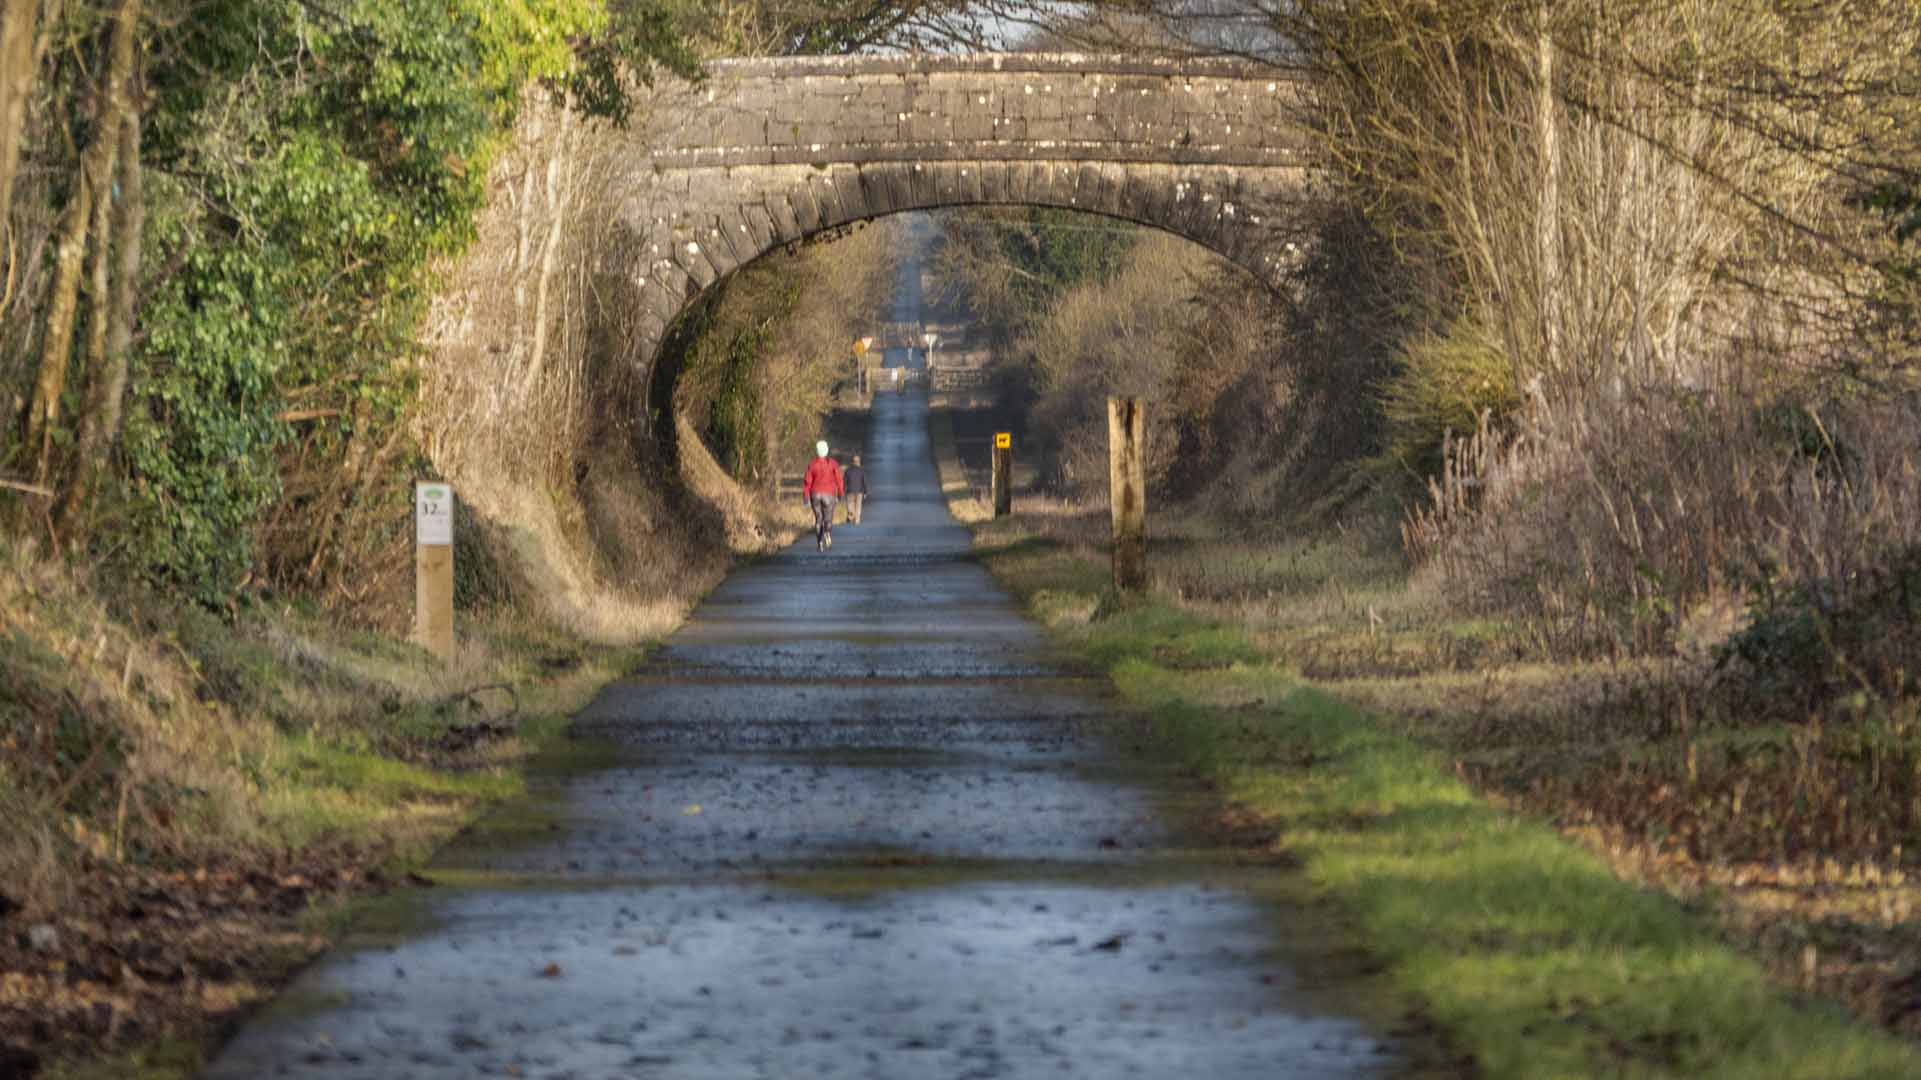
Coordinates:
822 488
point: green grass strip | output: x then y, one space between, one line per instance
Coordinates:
1536 959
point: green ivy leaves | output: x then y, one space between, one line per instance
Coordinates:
314 159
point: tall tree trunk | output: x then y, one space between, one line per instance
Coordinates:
115 311
19 26
99 266
1547 120
26 30
96 177
130 226
44 411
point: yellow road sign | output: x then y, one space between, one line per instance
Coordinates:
1003 440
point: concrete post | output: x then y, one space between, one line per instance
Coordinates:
1003 473
1127 492
434 568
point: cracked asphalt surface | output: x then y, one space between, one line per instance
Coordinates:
851 821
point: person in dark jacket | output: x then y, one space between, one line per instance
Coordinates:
855 480
822 487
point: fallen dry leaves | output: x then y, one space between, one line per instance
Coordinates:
142 954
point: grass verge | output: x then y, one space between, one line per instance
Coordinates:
1529 950
963 500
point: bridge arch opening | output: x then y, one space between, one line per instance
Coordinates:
1134 283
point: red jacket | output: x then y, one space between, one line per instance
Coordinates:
823 478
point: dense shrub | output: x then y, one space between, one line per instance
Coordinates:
1447 384
1820 640
1614 522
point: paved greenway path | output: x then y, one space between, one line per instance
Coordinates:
850 823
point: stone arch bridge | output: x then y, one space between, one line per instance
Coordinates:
765 153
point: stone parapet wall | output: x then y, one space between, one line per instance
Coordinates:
1005 63
1044 107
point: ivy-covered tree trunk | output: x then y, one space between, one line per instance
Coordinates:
130 225
114 311
55 348
95 182
98 282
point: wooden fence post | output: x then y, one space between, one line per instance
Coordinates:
1003 473
1127 492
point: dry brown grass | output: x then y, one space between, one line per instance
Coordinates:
95 719
1642 525
532 405
134 730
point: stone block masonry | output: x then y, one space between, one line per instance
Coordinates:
765 153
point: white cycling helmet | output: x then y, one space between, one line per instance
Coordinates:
820 448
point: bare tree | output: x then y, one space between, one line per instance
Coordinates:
781 27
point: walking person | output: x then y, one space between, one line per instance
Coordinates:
822 488
854 479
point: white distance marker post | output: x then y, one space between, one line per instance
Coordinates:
434 568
